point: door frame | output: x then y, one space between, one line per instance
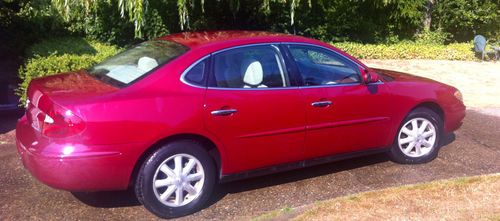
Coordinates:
292 85
294 69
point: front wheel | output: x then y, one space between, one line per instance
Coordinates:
417 140
176 180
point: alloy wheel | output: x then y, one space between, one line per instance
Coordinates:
417 137
178 180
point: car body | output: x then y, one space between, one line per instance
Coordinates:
249 126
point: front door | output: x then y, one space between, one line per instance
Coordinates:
343 114
253 110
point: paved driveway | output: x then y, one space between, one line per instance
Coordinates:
475 149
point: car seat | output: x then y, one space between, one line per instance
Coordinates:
253 74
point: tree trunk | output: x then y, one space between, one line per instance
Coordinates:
428 14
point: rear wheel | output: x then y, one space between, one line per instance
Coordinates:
176 180
417 140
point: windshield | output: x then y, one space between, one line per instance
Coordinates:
134 63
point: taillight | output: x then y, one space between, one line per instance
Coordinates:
59 122
49 118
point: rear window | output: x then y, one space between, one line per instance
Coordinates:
134 63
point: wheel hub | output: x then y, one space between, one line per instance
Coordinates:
178 180
417 137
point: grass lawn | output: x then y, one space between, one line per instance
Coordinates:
469 198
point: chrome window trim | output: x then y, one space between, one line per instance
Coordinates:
335 52
253 89
331 85
329 49
273 44
340 85
282 61
296 87
184 73
376 83
244 46
349 59
282 65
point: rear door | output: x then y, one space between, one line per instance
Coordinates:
343 114
253 109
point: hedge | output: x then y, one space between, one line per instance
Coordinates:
409 50
58 55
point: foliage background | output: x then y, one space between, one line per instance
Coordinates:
52 36
367 21
59 55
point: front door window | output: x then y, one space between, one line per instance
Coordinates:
322 67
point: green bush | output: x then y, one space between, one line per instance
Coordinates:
432 37
409 50
23 22
463 19
58 55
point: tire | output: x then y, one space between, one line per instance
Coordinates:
153 185
417 146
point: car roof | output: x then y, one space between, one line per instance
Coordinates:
205 42
195 40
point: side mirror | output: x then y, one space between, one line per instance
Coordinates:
369 76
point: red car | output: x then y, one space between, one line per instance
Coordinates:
176 115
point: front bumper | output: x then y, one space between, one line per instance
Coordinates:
454 117
73 166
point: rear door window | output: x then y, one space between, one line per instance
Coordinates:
196 74
249 67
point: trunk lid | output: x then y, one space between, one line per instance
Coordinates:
50 100
69 86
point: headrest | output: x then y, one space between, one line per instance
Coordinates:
253 73
146 63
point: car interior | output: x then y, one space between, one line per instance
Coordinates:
249 68
318 68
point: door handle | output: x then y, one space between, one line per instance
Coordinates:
223 112
321 103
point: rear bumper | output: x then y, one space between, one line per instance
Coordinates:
72 166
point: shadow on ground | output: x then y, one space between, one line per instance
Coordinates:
111 199
8 120
127 198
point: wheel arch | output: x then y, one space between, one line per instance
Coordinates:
207 143
429 106
432 106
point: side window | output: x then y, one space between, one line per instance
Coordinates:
249 67
196 75
319 66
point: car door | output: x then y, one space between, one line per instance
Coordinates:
253 109
343 113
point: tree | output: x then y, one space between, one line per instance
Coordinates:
429 6
330 20
466 18
136 9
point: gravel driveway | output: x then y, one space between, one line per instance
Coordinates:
473 150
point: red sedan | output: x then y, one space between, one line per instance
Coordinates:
176 115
